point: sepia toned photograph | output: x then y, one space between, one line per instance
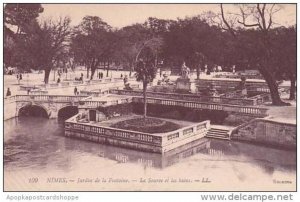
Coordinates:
149 97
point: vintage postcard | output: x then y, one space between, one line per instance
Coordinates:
149 97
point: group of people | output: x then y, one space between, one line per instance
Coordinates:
61 71
19 77
10 72
80 78
100 75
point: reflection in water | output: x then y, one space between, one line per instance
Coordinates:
35 143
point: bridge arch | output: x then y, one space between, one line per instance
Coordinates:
66 112
33 110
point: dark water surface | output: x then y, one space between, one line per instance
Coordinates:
36 148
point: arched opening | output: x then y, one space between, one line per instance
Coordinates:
33 110
67 112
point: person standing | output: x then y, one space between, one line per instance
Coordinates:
18 79
75 90
8 93
125 79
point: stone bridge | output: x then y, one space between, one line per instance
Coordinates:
52 104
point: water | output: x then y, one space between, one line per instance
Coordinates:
35 149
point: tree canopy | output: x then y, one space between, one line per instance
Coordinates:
247 39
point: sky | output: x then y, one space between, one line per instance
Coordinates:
120 15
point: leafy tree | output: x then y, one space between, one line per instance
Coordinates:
93 42
157 27
131 41
49 43
194 41
136 37
145 71
9 47
35 46
21 15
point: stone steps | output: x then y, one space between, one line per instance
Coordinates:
218 133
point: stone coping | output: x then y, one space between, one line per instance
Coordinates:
280 120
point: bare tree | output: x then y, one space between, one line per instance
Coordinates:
261 18
52 42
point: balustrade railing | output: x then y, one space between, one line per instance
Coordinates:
211 106
138 98
38 92
95 93
95 103
50 98
159 139
114 132
188 131
223 84
188 97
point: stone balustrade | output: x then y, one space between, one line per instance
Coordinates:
182 133
155 142
49 98
94 104
38 92
70 83
95 93
189 97
250 110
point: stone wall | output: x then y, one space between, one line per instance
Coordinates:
10 110
181 113
268 132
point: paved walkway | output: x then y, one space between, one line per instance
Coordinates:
10 81
285 114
